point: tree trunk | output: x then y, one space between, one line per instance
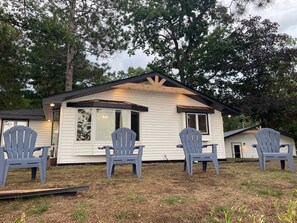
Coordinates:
69 68
182 76
70 49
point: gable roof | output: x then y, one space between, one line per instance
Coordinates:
26 114
237 131
57 99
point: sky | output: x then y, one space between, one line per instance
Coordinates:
284 12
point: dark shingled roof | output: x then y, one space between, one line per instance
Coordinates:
28 114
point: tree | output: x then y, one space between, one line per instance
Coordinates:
12 69
238 122
96 28
90 27
259 75
182 33
176 32
40 56
47 59
130 73
238 7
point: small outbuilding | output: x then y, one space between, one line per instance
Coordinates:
238 142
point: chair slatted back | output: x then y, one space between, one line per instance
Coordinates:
268 140
191 140
19 142
123 140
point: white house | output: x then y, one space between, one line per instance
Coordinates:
154 105
238 143
33 118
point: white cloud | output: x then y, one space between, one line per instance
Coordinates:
282 12
122 60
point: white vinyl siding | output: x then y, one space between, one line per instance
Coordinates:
43 129
159 127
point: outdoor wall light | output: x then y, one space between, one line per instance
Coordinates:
52 104
105 116
229 116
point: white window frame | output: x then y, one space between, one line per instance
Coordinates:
76 127
93 124
197 121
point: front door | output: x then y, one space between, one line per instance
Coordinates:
236 147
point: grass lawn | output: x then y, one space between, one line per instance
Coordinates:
241 193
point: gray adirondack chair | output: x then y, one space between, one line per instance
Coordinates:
268 148
19 145
192 145
123 140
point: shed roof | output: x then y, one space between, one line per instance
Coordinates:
237 131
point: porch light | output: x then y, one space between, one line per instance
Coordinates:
229 116
105 116
52 104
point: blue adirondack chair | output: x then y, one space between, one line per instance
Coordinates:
19 145
192 145
123 140
268 148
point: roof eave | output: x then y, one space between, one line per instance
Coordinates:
199 96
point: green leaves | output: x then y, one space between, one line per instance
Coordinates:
262 66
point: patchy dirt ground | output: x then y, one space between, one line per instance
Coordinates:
164 194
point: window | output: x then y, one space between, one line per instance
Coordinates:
7 124
109 120
192 121
55 128
105 122
84 119
198 121
135 123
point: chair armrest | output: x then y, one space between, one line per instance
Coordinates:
290 147
179 146
107 150
258 149
105 147
214 147
140 149
44 152
40 148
